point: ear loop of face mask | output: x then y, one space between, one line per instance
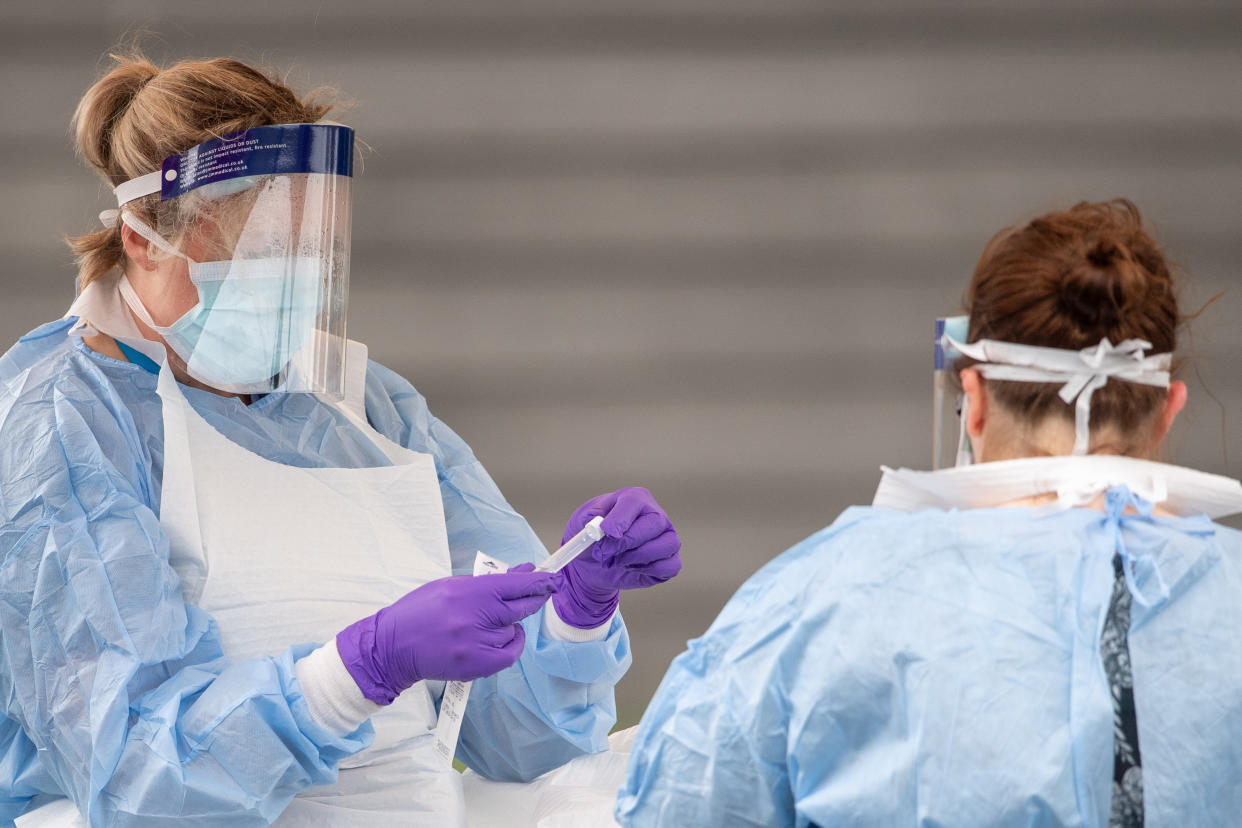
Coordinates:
128 293
965 451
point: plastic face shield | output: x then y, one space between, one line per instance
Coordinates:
266 218
950 443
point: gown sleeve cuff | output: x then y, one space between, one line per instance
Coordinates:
556 628
332 696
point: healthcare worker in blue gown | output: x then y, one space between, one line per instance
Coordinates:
1049 636
239 560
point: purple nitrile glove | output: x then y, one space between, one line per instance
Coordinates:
640 548
454 629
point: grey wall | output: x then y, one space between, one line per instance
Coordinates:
691 244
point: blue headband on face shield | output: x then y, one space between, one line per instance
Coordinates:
237 161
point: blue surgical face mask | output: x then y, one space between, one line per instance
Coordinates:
252 317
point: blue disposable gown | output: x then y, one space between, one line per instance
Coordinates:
92 619
943 669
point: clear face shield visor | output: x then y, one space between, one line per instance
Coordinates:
263 225
950 442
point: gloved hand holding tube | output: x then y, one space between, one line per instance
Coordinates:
459 628
640 548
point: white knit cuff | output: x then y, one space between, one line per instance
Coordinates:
336 704
557 629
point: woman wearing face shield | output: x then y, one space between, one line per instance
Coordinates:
1048 636
239 558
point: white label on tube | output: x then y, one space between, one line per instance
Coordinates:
457 693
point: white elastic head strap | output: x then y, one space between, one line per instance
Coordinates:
1083 372
135 188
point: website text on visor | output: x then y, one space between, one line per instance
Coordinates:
1080 373
262 218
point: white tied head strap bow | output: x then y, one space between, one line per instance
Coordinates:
1083 372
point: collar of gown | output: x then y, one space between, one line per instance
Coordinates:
1075 481
99 308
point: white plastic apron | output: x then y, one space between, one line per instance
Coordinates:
280 555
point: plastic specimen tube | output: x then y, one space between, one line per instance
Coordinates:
573 547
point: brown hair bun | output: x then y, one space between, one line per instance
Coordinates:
1068 280
1096 294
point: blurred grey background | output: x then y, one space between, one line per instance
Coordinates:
696 245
